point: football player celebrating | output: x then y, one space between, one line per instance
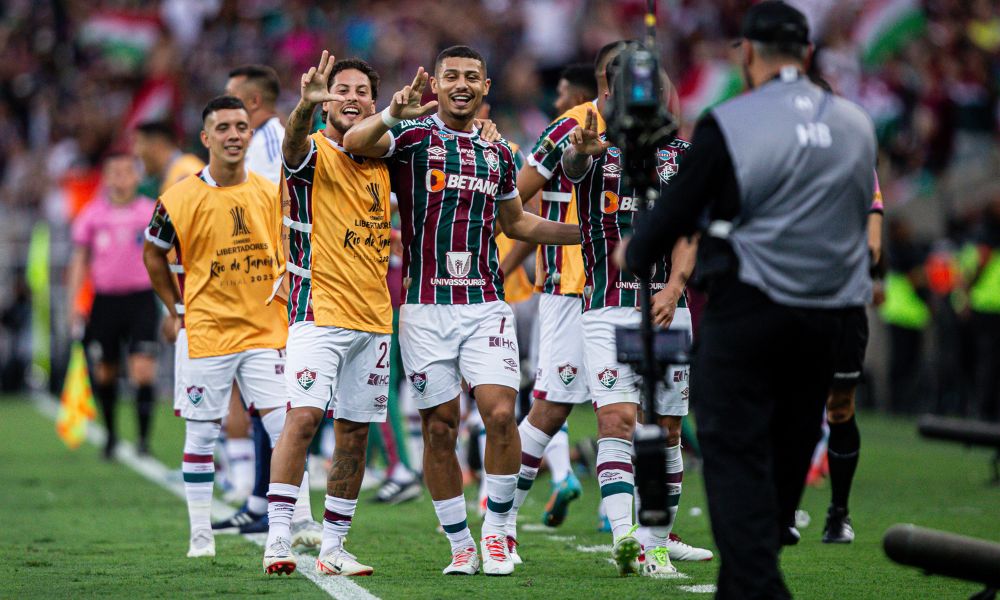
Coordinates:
451 185
225 225
339 310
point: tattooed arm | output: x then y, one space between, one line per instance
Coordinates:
315 90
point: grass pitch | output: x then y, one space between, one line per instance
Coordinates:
73 526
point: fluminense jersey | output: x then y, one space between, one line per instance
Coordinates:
559 269
447 183
338 239
606 210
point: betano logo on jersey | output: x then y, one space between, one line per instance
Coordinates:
613 203
438 180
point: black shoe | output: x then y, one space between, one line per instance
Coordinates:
243 521
109 448
790 536
838 528
142 448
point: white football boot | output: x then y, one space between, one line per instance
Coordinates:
278 558
202 543
463 562
307 533
681 551
512 550
342 562
625 553
657 563
496 556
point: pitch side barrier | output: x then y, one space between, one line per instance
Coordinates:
966 431
941 553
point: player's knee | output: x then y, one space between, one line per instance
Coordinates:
840 406
442 435
615 424
200 436
302 423
351 437
500 419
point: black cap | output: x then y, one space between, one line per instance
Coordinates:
776 22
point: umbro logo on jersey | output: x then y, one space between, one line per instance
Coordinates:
373 191
437 152
238 213
510 364
381 402
608 377
567 373
305 378
419 381
612 170
195 394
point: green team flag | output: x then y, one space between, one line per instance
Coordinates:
76 407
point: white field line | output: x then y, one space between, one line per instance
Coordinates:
341 588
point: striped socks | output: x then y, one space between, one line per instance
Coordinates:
336 522
617 481
499 500
658 536
198 471
533 443
280 506
452 516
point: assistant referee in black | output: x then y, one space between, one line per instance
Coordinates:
782 177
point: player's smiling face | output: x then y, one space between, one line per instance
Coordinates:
227 134
460 84
358 102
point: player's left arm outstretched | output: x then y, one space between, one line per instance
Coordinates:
371 137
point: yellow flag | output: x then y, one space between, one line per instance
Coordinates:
76 407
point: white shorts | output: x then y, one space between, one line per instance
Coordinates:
560 376
343 370
442 343
610 381
206 383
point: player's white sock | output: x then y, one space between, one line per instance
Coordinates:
303 508
240 456
453 518
658 536
280 507
499 500
336 522
198 471
557 455
533 443
617 481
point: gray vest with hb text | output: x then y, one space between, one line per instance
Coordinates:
805 163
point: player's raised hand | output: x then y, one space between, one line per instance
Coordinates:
316 82
406 102
585 138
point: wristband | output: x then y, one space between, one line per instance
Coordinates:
389 120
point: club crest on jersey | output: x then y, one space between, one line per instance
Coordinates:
666 171
492 160
459 263
608 377
195 394
305 378
614 152
419 381
437 152
567 373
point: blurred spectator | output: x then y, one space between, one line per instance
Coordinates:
981 264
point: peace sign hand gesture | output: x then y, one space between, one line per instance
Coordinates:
406 102
586 140
316 82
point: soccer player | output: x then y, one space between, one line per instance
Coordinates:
451 185
606 208
340 313
578 83
225 224
258 87
107 239
156 146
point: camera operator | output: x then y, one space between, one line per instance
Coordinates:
607 206
785 174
